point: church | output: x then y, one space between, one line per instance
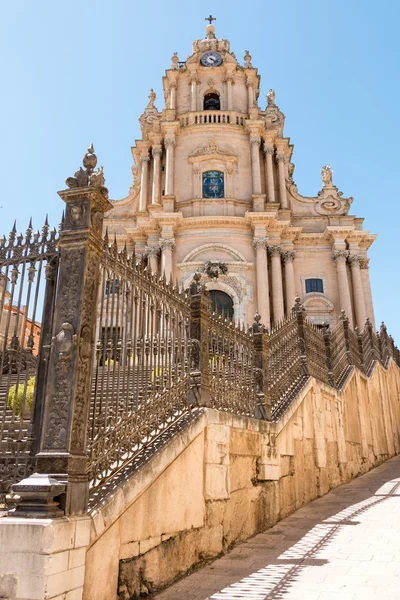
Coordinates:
213 193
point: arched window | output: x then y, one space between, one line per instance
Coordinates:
221 303
211 102
213 184
314 285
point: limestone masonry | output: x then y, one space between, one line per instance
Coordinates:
213 186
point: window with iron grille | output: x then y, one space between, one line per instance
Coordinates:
314 285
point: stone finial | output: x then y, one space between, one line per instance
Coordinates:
195 286
298 307
88 176
152 99
271 97
247 60
175 61
327 173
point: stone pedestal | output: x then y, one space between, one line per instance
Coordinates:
168 203
43 559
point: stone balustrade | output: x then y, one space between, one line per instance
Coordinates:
211 117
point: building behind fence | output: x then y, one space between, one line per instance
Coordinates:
99 356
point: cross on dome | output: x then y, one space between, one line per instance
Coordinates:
210 19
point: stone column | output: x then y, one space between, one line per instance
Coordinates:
193 91
340 257
358 291
288 258
63 451
153 253
250 94
166 257
255 164
229 82
369 305
269 172
172 94
170 166
144 181
280 159
156 191
260 245
277 287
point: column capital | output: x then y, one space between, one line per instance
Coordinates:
340 255
268 148
173 83
169 141
275 250
152 250
168 243
144 158
260 243
364 263
229 77
355 260
280 158
255 141
193 77
249 82
288 255
156 151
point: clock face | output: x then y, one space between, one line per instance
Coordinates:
211 59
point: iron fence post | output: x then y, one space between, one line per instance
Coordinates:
345 322
299 311
200 306
61 463
328 352
384 344
263 402
360 348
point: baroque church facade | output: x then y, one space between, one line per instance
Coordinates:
213 193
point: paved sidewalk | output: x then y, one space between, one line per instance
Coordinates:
344 546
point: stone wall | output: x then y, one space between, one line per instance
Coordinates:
225 478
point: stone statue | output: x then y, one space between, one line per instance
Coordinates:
175 61
327 173
271 98
247 60
152 99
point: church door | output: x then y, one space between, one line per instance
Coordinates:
221 303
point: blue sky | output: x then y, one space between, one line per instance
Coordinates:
80 72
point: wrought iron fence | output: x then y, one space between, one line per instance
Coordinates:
286 370
316 352
370 347
99 357
232 367
28 268
141 376
340 355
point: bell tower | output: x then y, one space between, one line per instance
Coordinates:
213 185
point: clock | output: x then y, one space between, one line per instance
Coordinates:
211 59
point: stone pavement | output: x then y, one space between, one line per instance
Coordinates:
344 546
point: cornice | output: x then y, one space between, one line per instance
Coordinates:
214 222
234 266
